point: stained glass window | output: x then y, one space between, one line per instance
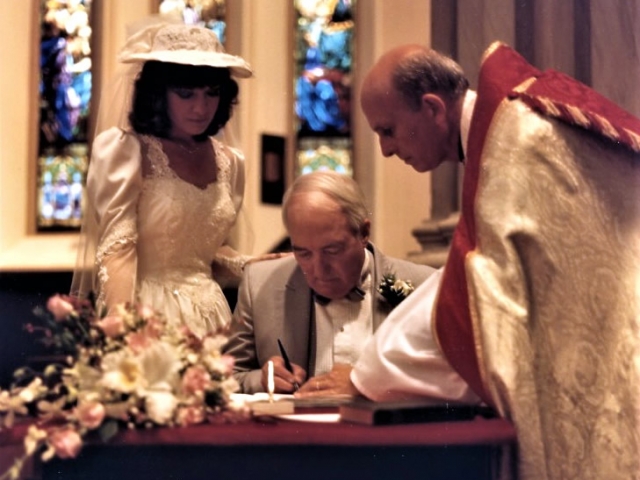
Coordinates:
323 65
207 13
65 98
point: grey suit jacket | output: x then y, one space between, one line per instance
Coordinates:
275 302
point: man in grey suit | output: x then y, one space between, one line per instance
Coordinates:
323 303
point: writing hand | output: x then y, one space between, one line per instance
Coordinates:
283 379
336 382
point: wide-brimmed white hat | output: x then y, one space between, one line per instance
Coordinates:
183 44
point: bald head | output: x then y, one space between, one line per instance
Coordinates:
380 78
412 98
413 70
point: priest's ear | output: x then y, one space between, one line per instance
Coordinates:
435 107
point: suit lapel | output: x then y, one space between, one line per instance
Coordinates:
381 266
298 332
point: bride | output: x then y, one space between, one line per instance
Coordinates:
162 193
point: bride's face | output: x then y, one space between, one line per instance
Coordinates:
191 110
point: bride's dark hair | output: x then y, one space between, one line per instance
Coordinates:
149 112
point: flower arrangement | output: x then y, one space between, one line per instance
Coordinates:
132 368
394 290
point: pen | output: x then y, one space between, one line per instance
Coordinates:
287 363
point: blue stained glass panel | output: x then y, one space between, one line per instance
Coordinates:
65 91
323 75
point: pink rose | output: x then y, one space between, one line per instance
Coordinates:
153 328
191 341
195 379
66 443
228 361
112 326
90 414
190 415
145 312
138 341
59 307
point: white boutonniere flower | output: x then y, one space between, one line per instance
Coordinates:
394 290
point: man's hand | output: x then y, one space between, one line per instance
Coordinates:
284 380
336 382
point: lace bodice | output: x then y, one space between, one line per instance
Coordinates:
180 226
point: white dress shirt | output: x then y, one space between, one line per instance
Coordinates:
344 326
465 119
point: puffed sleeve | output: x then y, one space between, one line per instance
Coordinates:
226 257
113 187
236 176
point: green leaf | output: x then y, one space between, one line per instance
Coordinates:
108 430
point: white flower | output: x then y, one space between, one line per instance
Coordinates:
394 290
119 410
127 315
49 410
210 354
127 372
146 312
160 406
405 288
160 364
222 364
122 372
32 391
83 376
33 439
11 405
213 345
229 385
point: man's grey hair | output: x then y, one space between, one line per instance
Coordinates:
429 71
341 188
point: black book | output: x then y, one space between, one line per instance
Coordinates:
367 412
328 404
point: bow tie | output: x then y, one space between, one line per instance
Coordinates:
355 295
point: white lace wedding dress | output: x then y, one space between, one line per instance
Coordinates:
158 234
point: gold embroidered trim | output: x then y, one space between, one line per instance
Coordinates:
585 119
607 128
634 138
492 48
477 337
522 87
577 116
550 107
